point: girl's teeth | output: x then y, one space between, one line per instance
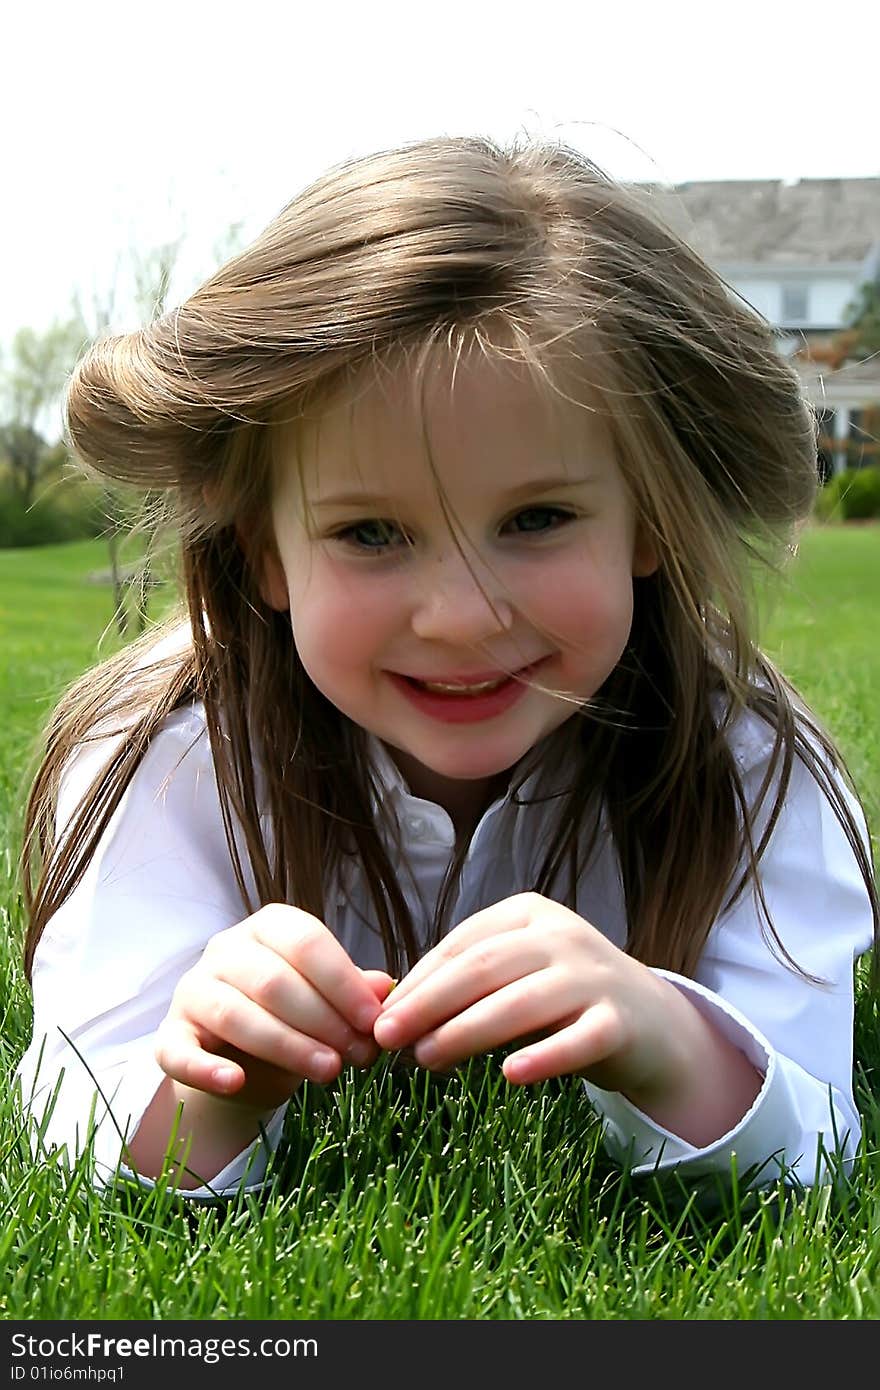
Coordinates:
443 689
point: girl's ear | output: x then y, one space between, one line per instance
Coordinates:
267 570
645 560
266 565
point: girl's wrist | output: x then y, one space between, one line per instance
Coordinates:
705 1085
209 1132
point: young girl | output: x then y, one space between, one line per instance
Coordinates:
471 458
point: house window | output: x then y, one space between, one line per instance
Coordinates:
794 303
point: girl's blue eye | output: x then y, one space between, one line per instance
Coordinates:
384 528
536 511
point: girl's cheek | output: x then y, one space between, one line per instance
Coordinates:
349 620
592 611
583 591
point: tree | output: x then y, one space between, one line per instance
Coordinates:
33 374
31 383
96 323
151 273
861 336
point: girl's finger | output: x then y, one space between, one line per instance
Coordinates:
511 914
485 968
225 1072
182 1057
263 976
536 1002
306 944
380 982
591 1038
228 1015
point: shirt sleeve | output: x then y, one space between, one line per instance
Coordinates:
798 1035
159 886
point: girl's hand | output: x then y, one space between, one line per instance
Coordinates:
270 1002
528 967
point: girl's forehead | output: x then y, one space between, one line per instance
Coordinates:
454 415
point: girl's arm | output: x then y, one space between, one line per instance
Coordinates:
154 953
158 889
210 1132
798 1035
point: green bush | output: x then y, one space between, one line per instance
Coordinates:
68 511
853 495
860 495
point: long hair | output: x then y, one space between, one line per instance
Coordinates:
528 253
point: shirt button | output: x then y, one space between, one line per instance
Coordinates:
416 825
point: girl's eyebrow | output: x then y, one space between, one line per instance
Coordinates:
364 499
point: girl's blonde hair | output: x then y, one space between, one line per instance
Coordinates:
530 253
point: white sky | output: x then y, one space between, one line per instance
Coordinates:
127 124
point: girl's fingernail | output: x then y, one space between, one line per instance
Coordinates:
517 1068
225 1076
387 1031
323 1062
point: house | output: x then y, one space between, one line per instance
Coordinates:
798 253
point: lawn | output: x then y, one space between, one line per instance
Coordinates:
405 1195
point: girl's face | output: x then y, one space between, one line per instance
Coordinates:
545 522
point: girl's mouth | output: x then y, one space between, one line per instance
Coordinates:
458 704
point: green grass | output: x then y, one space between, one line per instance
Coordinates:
56 619
822 629
405 1195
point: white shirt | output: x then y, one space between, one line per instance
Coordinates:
161 885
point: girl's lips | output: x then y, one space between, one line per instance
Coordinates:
465 709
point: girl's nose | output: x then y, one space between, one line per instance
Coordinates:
452 606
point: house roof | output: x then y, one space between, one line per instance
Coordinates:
767 221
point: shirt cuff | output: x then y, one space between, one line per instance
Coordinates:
245 1173
633 1138
120 1107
